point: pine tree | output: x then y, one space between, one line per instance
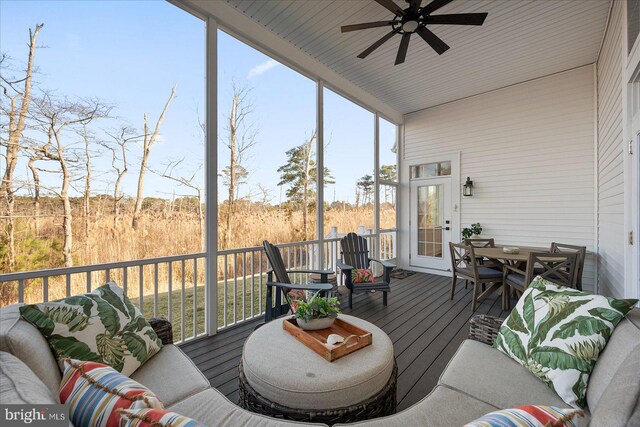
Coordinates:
300 174
366 184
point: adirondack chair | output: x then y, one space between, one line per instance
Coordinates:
355 255
276 306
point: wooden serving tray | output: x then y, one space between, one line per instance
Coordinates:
317 340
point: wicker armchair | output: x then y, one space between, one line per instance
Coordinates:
484 328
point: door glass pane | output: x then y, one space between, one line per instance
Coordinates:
430 223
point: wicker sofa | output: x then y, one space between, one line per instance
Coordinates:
477 380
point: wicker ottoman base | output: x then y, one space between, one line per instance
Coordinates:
382 404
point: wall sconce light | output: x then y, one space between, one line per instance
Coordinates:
467 188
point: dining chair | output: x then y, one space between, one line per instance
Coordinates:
559 268
279 296
464 264
581 251
484 243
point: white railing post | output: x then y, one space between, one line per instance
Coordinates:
376 186
211 179
320 169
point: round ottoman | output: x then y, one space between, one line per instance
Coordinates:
280 377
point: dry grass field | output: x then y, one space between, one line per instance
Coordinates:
167 232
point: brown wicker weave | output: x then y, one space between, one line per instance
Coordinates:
163 329
380 405
484 328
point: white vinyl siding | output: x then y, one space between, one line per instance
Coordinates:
610 157
529 150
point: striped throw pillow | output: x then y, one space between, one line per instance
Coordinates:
150 417
528 416
94 392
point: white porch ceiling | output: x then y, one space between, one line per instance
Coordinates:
519 41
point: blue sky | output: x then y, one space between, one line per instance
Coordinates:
130 54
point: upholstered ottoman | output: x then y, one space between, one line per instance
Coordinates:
280 377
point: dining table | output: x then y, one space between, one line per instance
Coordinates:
497 255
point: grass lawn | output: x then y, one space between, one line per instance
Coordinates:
243 294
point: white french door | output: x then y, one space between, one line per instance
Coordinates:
430 223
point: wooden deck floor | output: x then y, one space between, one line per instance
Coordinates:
426 328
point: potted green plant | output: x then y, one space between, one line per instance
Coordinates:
317 313
473 231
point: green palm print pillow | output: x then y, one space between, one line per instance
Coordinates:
557 333
102 326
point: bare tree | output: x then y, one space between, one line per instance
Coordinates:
148 142
55 117
36 188
240 138
86 199
171 172
265 194
18 93
124 136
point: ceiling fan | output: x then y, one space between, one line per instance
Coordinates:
414 19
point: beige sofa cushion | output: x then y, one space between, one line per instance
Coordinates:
491 376
24 341
625 338
171 375
443 407
19 385
212 409
621 398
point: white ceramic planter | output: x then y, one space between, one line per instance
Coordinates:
315 324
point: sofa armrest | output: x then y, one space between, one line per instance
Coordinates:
484 328
163 329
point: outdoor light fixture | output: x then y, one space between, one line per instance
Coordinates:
467 188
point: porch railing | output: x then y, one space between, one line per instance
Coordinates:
174 286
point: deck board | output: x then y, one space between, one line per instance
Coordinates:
426 328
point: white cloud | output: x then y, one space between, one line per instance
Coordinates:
261 68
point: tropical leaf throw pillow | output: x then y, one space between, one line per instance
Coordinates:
557 333
102 326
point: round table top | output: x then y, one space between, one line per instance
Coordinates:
284 370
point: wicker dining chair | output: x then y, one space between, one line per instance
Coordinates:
464 264
559 268
276 306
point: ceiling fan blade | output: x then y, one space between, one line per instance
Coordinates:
433 6
392 6
364 26
377 44
434 41
402 50
457 19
